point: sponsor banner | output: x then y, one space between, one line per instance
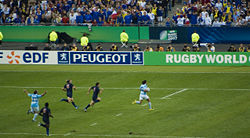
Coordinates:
110 58
197 58
27 57
168 35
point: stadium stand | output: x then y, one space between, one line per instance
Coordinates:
214 13
98 12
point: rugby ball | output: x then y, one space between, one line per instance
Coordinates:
147 89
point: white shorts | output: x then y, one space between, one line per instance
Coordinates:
142 97
34 108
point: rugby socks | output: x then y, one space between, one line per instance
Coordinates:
87 106
149 104
43 125
66 100
35 115
73 103
137 102
47 130
97 101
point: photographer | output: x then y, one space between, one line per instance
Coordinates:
186 48
170 48
135 47
98 48
113 48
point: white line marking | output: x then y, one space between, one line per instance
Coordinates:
126 72
173 93
118 114
93 124
99 135
144 104
109 88
67 134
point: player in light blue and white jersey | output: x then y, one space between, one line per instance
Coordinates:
143 95
34 107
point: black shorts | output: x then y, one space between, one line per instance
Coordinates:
69 95
46 121
94 98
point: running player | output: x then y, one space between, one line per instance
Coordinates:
143 95
95 99
34 106
68 87
45 113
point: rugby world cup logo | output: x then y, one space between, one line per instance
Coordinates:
13 58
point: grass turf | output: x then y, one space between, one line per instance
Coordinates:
215 104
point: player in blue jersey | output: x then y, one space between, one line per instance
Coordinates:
46 114
34 107
68 87
95 99
144 89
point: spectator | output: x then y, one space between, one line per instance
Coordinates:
88 17
216 23
207 20
160 14
180 21
186 48
100 22
119 20
169 23
145 18
79 18
65 19
128 19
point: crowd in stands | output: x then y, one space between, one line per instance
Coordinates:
214 13
97 12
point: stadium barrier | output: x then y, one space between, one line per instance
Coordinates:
207 34
63 57
98 33
197 58
125 58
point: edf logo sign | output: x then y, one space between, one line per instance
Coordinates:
35 57
27 57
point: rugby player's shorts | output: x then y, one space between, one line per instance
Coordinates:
143 97
34 108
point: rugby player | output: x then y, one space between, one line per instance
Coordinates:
68 87
95 99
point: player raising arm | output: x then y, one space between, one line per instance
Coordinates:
143 95
68 87
34 106
95 99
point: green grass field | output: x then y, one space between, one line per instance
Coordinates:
202 101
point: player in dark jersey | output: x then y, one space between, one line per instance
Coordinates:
95 99
46 114
68 87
